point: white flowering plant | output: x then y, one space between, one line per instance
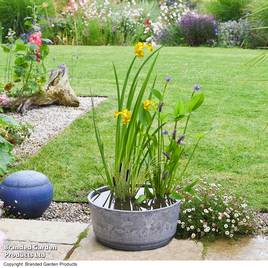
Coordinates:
172 11
209 212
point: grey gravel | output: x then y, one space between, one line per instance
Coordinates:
47 122
67 212
263 219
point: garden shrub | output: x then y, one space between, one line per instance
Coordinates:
212 213
258 17
172 11
18 10
12 14
12 131
168 35
5 155
95 36
46 8
233 33
198 29
225 10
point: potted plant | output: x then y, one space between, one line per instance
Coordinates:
139 207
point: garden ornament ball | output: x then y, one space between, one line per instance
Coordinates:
26 193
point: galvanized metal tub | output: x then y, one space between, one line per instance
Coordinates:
133 230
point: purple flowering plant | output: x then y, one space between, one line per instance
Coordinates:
198 29
169 151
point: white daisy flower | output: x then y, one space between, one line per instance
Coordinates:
227 215
193 235
207 229
225 226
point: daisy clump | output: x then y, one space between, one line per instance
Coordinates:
212 213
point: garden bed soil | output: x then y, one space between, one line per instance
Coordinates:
47 122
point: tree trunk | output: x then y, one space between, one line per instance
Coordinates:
57 91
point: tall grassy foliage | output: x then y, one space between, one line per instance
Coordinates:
258 16
225 10
12 14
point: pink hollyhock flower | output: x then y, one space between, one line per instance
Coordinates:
36 39
72 6
4 100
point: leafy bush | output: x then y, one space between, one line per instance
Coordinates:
212 213
198 29
233 33
168 35
25 69
225 10
46 8
12 14
18 10
172 11
5 155
258 17
12 131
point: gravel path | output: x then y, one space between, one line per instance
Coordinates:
47 122
67 212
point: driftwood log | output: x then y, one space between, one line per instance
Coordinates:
57 91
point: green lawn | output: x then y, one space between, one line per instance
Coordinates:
234 151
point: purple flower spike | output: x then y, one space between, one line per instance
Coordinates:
174 134
166 155
181 139
168 78
165 132
160 107
197 87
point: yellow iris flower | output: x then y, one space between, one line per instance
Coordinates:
126 116
149 46
139 49
148 104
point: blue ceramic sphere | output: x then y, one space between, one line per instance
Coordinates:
26 193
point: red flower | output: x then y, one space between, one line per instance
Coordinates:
147 22
35 39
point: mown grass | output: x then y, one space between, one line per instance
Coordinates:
234 116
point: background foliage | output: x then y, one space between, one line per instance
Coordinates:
110 22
